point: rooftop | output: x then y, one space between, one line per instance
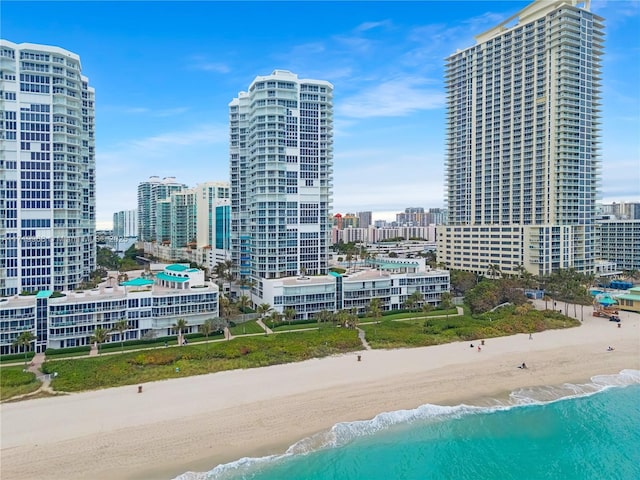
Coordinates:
176 267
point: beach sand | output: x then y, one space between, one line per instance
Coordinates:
198 422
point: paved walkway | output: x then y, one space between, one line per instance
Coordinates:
264 327
362 338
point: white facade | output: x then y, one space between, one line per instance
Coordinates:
125 224
281 161
150 193
392 282
619 242
150 305
47 169
213 222
523 143
378 234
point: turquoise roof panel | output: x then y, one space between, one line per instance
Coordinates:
635 298
137 282
170 278
177 268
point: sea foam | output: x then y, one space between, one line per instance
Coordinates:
345 432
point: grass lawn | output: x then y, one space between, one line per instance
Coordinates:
434 331
418 314
246 328
13 381
196 359
294 326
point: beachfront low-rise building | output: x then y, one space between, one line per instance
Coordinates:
150 304
630 300
393 280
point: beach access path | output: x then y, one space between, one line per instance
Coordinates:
198 422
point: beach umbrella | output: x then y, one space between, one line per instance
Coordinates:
606 301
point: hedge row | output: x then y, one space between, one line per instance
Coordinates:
16 356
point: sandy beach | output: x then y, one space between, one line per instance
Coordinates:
196 423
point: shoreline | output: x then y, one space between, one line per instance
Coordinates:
196 423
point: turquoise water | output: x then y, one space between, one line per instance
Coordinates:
589 431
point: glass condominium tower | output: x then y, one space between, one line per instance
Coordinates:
281 160
523 134
47 170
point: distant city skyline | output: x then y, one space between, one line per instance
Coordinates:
163 87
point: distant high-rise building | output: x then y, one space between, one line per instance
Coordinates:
619 242
213 217
436 216
523 134
620 211
412 216
47 170
125 223
149 195
281 156
365 219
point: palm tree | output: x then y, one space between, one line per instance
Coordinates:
274 317
289 314
546 299
353 318
409 303
324 316
494 271
263 310
243 304
121 326
99 336
445 302
364 254
227 309
25 339
246 283
375 309
526 278
207 328
417 297
343 318
180 325
224 271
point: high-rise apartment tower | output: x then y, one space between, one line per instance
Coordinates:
523 138
125 223
281 157
149 195
47 170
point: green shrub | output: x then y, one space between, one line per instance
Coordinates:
14 381
52 352
16 356
242 352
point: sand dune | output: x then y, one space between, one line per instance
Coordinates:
196 423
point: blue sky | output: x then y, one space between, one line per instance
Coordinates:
164 73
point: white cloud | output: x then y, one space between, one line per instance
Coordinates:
201 62
150 112
392 98
191 155
380 180
363 27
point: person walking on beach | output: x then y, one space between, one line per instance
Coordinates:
479 349
530 336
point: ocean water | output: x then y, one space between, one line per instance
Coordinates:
581 432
